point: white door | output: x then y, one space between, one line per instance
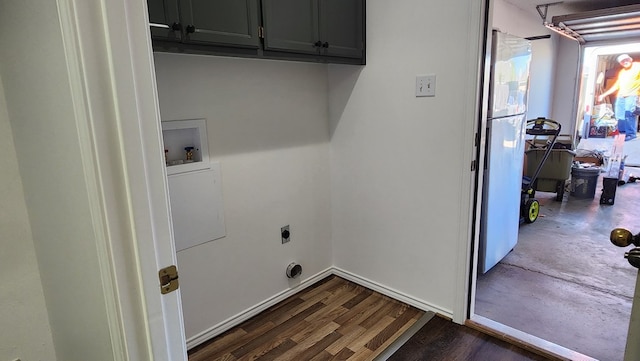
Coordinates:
110 61
142 133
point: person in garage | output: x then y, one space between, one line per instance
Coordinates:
627 86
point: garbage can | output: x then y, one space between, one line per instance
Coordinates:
584 182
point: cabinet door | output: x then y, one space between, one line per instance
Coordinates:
163 19
291 25
341 27
225 22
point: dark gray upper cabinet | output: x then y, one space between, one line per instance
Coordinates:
322 27
291 25
341 27
306 30
164 19
217 22
229 22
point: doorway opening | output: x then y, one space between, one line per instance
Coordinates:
564 286
596 122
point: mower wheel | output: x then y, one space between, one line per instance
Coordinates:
531 210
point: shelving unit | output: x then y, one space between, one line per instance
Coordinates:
180 134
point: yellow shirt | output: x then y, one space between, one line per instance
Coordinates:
629 81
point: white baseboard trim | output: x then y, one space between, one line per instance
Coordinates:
402 297
262 306
255 310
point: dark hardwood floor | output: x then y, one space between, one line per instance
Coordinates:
442 340
332 320
338 320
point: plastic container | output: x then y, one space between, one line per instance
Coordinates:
584 182
556 167
553 173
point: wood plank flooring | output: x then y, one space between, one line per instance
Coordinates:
442 340
332 320
338 320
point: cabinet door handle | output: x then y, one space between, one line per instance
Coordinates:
175 26
317 44
325 44
191 29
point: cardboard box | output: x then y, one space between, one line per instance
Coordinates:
599 132
594 160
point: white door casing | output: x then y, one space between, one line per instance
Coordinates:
110 64
467 259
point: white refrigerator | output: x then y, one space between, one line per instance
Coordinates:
508 92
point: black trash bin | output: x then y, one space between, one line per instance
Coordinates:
584 182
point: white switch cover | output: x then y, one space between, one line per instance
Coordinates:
426 85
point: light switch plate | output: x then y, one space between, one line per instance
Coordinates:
426 85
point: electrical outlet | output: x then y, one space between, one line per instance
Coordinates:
426 85
285 234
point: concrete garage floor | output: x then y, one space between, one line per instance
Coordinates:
564 281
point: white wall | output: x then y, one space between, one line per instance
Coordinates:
565 84
267 124
25 330
401 183
39 107
554 64
513 20
541 90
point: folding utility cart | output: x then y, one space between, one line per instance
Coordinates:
548 165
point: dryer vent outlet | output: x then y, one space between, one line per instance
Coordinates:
294 270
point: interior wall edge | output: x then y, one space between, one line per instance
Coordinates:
390 292
470 201
23 309
279 297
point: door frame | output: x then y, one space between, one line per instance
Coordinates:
110 65
480 123
489 326
475 321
